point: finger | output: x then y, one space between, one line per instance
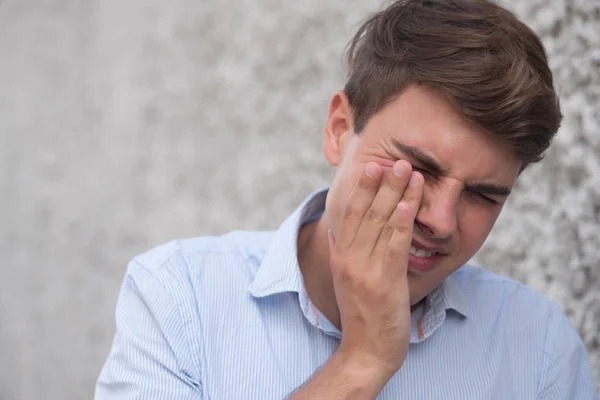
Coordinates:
331 241
414 193
360 199
396 247
383 205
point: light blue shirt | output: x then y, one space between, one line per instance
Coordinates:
228 318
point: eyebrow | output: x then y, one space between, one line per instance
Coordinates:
426 160
488 188
437 169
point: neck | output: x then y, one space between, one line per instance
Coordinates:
313 259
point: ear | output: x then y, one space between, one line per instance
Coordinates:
339 125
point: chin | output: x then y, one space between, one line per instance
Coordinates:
415 295
414 302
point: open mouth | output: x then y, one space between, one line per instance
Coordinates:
422 253
423 258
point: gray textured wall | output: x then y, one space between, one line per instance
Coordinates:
124 124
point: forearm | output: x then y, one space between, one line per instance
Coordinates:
343 377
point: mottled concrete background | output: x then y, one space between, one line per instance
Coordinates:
124 124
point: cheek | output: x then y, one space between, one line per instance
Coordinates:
347 176
344 181
339 193
475 224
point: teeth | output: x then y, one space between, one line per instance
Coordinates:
420 253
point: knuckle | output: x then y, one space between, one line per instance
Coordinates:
396 183
377 290
412 201
388 230
412 198
351 212
395 253
409 195
345 271
406 212
365 183
340 264
404 228
367 286
334 261
374 215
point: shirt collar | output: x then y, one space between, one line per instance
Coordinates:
454 296
279 270
448 296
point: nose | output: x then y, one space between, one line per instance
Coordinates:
438 214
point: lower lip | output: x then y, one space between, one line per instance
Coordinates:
422 264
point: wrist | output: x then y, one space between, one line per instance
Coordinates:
364 372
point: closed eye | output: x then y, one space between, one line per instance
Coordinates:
485 198
423 172
475 194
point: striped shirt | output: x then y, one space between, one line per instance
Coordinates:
229 318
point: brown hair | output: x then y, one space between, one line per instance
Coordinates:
491 67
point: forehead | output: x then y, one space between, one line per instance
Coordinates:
423 118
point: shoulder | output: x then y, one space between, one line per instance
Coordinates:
531 329
186 263
491 294
479 282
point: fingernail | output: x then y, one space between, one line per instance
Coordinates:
399 169
414 179
371 170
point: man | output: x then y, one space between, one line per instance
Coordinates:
363 292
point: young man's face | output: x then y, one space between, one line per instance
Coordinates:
465 173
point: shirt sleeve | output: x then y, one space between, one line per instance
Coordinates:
567 373
148 356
